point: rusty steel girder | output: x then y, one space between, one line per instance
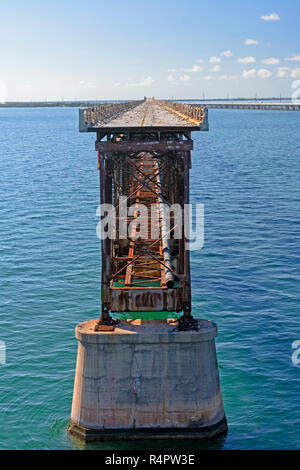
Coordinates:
144 157
141 272
152 146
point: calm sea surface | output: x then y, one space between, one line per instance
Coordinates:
246 171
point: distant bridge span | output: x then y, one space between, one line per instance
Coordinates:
254 106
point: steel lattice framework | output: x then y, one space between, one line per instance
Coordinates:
144 175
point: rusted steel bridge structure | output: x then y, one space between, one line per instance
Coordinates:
144 158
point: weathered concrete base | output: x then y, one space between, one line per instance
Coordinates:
90 435
147 380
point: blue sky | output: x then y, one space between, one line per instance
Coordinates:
114 49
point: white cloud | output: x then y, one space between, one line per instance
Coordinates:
271 61
117 84
227 53
294 58
209 77
228 77
195 68
283 72
246 60
170 78
250 42
200 61
214 60
215 68
145 82
84 84
185 78
249 73
295 73
264 73
271 17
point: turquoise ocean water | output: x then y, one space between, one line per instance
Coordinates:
246 171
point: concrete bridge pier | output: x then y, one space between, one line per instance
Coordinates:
147 380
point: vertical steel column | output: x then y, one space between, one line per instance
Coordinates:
166 251
105 322
187 288
187 321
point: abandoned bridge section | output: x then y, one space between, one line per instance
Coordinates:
144 158
146 378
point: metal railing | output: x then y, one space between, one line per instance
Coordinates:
193 112
97 115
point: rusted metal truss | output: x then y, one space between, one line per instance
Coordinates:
144 175
147 269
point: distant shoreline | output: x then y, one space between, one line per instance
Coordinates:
84 104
